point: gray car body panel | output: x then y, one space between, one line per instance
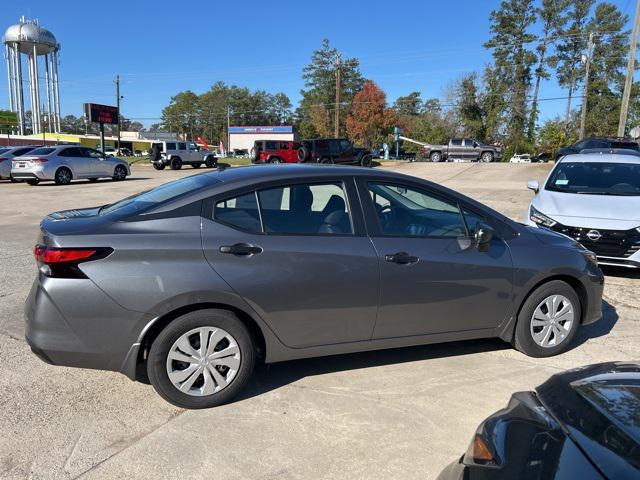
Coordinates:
309 295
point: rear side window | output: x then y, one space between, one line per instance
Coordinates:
457 142
22 151
271 145
239 212
171 146
306 209
42 151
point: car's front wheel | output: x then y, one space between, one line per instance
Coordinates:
211 162
486 157
548 320
202 359
120 173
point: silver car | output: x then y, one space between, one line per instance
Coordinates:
64 163
6 155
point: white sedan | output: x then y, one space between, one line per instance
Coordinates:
520 158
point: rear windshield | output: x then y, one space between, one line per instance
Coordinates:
42 151
164 193
606 178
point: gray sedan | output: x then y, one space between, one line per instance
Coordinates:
6 155
64 163
193 282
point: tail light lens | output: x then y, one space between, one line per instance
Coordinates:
63 262
38 160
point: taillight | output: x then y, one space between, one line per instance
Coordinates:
63 262
38 160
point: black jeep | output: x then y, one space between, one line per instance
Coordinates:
333 150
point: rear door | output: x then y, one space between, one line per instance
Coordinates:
434 280
456 149
298 254
75 159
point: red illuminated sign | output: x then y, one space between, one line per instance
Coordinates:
101 113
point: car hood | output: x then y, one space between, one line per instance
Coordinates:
597 211
599 405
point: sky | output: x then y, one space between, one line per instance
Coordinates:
160 49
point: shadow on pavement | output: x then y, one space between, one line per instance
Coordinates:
277 375
620 272
598 329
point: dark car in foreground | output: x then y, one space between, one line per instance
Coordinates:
582 424
194 281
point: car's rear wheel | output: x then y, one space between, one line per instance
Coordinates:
365 161
325 160
120 173
175 164
33 181
63 176
202 359
548 320
158 166
275 160
303 154
211 162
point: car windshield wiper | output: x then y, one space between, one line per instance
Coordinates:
618 194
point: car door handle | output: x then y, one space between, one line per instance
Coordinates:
401 258
241 249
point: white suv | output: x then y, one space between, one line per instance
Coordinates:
176 154
593 198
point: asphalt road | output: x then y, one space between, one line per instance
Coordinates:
402 413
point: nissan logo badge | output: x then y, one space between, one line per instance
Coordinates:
594 235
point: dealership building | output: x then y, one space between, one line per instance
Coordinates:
243 138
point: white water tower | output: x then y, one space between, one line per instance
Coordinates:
27 38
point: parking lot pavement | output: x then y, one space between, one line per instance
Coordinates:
390 414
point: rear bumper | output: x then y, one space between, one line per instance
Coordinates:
85 329
31 173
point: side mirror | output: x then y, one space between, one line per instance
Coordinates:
533 185
483 236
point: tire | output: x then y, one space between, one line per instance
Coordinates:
175 164
211 162
486 157
158 363
119 173
365 161
63 176
275 160
303 154
33 181
435 157
325 160
524 333
158 166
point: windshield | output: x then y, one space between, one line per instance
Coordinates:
606 178
151 198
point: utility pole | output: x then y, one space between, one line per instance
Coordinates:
228 148
583 115
624 108
117 105
338 65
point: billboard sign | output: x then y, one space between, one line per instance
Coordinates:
101 113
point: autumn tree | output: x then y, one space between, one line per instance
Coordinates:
369 121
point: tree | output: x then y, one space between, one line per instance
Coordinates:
553 15
320 86
469 110
569 50
513 62
552 135
606 75
181 115
369 121
409 104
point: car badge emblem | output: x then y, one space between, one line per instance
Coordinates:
594 235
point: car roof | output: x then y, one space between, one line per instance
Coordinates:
600 157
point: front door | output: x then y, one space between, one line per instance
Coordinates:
300 260
97 163
434 279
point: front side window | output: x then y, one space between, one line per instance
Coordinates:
601 178
182 146
345 144
90 153
306 209
284 145
240 212
70 152
408 212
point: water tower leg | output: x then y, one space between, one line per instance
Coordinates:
8 52
19 90
36 87
47 81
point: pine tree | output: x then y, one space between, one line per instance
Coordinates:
513 62
553 15
606 75
409 104
571 46
469 111
320 85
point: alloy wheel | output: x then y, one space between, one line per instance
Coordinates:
552 320
203 361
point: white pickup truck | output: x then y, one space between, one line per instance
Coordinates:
176 154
